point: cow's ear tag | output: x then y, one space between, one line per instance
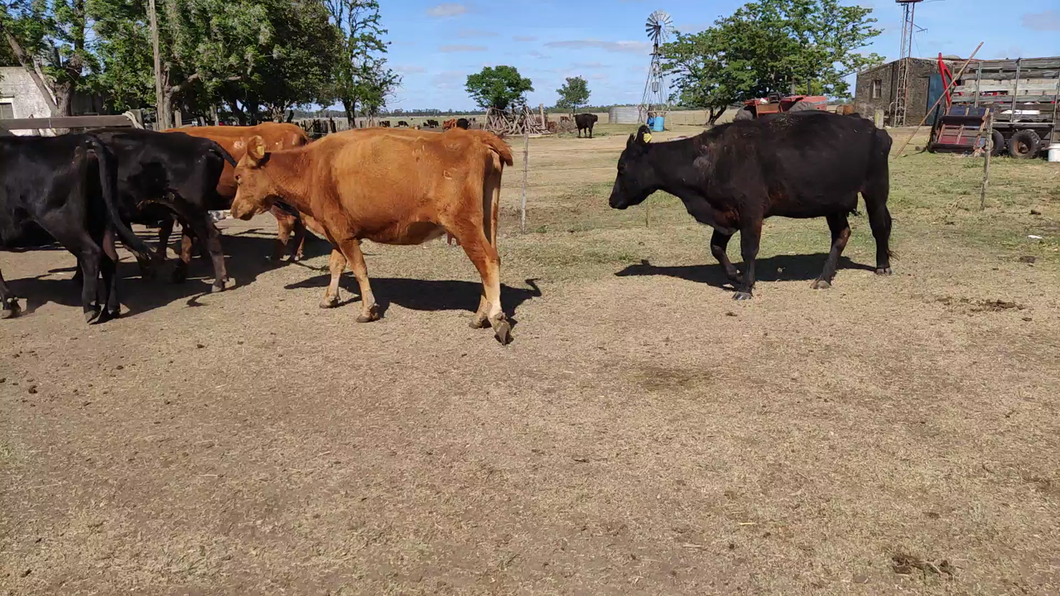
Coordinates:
647 137
256 148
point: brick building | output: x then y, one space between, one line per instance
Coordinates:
876 88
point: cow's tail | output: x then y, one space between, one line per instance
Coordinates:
220 151
108 181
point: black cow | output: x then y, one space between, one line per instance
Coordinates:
432 124
402 124
161 175
64 189
586 122
732 177
463 123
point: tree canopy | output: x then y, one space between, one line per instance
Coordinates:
498 87
771 46
575 92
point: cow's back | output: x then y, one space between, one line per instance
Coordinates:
803 163
277 136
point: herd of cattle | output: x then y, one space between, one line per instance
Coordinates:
407 186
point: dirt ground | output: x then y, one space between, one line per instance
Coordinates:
644 433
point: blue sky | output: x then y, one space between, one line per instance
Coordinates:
435 45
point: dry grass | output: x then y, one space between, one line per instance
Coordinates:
644 433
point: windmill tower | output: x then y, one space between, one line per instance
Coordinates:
655 100
901 90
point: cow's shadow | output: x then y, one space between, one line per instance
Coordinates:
426 295
246 258
779 268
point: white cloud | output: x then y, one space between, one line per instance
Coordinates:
1047 20
448 9
524 38
409 69
470 33
588 65
610 46
536 54
461 48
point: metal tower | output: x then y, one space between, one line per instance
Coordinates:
901 89
655 100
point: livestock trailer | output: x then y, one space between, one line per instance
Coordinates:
1023 97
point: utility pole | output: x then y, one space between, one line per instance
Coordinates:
163 118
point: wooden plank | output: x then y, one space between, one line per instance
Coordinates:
67 122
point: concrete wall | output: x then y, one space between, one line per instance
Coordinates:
887 74
17 87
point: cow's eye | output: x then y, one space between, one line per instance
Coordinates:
239 180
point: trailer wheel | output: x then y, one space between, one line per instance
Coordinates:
1024 144
744 113
999 143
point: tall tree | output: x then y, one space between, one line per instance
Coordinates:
363 77
499 87
771 47
575 92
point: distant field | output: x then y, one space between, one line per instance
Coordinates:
644 434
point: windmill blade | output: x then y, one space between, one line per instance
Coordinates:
658 26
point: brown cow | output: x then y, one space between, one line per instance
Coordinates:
290 230
392 188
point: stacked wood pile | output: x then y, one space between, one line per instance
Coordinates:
516 122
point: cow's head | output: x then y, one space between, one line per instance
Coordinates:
636 174
254 192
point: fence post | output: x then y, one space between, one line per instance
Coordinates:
989 152
526 165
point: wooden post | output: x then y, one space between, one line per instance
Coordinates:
544 122
989 151
526 166
162 117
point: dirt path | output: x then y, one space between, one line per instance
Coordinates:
643 435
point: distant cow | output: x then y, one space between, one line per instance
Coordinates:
449 124
402 124
586 122
393 188
811 164
463 123
64 189
384 123
432 124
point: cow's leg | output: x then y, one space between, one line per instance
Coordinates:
9 307
880 221
180 269
840 235
750 236
298 235
336 264
719 244
487 261
108 267
210 237
285 223
158 259
590 131
351 249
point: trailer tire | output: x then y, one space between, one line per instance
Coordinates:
1024 144
999 143
744 113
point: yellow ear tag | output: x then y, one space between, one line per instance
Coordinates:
647 137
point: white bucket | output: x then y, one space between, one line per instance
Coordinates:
1054 153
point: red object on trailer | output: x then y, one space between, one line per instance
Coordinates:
947 78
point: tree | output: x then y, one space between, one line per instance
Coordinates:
573 93
48 38
498 87
362 78
771 47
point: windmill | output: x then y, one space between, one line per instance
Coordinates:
655 101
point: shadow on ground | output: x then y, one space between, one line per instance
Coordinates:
778 268
246 257
426 295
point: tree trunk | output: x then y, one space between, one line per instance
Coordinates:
715 113
350 106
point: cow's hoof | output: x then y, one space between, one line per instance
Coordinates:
821 284
371 315
296 258
883 271
11 310
114 314
479 322
502 330
742 296
329 302
92 315
217 288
